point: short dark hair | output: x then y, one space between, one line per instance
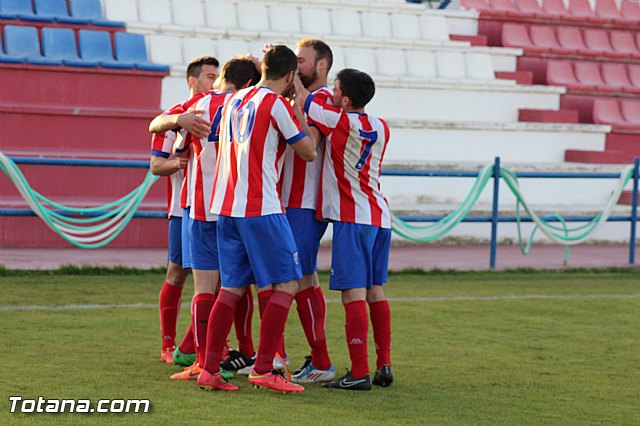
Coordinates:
357 86
322 49
238 71
278 61
195 67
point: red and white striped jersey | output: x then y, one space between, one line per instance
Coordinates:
255 128
161 146
350 183
301 179
203 153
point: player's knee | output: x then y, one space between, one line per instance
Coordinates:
375 294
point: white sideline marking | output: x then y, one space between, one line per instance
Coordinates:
391 299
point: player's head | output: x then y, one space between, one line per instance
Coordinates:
353 89
314 61
201 73
241 72
280 63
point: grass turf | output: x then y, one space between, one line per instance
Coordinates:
466 358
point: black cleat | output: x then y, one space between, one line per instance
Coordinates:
349 382
383 377
305 364
236 360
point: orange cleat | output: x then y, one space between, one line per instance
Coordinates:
189 373
208 381
273 380
167 355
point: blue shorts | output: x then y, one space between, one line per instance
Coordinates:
258 250
204 245
175 240
307 233
360 256
186 238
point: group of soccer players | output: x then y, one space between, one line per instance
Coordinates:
270 155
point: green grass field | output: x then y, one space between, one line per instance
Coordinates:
512 348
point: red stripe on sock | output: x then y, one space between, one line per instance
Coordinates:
200 310
309 307
356 330
242 321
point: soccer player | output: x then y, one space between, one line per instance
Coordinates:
201 73
201 145
351 198
254 238
300 183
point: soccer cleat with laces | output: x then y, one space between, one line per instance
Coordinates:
383 377
307 361
167 355
273 380
236 361
349 382
311 374
190 373
281 365
208 381
180 358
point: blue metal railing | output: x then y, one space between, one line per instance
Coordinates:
494 219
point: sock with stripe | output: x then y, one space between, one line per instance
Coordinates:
272 326
309 307
200 309
222 316
242 320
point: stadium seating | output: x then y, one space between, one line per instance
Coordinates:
623 116
121 10
165 49
193 47
95 45
23 42
130 48
315 21
407 27
91 11
60 43
57 10
20 9
544 37
188 12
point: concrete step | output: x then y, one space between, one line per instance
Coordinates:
474 40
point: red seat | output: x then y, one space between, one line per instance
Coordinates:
607 111
560 73
480 5
517 35
545 37
631 112
588 73
607 10
598 41
571 38
505 7
581 9
630 10
623 42
556 8
615 75
530 8
633 71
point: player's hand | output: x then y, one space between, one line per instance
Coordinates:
181 163
195 124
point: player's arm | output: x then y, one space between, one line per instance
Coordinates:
305 147
189 120
161 166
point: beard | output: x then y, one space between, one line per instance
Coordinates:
308 80
289 90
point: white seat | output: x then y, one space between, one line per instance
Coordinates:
405 26
421 63
391 62
253 18
479 66
221 14
155 11
338 61
193 48
376 24
361 59
284 19
165 49
450 65
315 21
188 12
121 10
346 22
434 28
228 49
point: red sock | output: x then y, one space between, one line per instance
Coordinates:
222 316
263 299
242 320
169 306
322 315
272 329
188 345
200 310
309 308
357 328
381 321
